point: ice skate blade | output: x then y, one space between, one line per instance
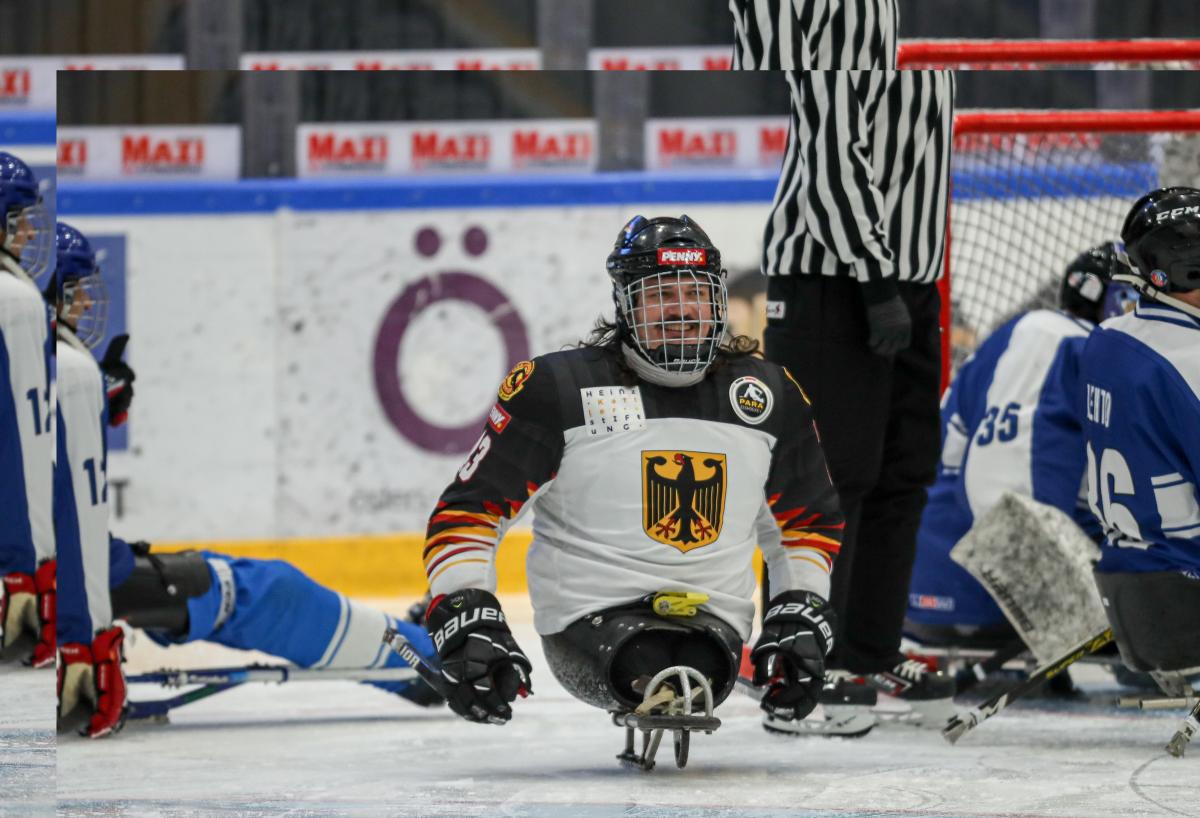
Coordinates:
839 722
667 722
931 714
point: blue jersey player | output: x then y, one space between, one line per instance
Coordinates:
1009 424
26 429
1139 397
262 605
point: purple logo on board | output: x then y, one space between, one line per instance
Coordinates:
446 285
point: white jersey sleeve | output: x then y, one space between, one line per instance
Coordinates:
85 526
26 429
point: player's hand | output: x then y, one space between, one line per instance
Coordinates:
18 608
482 666
118 380
46 582
789 657
888 321
92 675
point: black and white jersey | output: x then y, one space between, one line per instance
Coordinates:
821 34
639 488
865 180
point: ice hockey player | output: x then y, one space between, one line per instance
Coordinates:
657 454
264 605
26 432
1009 424
1140 401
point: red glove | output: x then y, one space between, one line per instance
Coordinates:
46 581
18 608
94 673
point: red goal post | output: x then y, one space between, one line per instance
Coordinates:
1030 190
1044 54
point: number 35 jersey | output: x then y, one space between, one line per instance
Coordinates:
640 488
1140 401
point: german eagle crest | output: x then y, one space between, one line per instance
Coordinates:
683 497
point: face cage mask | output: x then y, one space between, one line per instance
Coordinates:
670 334
29 238
88 326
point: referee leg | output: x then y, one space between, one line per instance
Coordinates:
822 340
890 513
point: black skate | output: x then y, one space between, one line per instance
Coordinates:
844 708
929 694
678 699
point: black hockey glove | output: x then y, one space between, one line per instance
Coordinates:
887 318
118 380
789 657
482 666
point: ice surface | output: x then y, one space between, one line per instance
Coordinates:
26 741
334 748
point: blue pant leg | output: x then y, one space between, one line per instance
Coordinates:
942 593
280 611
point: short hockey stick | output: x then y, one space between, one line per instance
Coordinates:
218 680
964 722
1191 725
432 676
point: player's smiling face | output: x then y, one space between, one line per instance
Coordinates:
673 308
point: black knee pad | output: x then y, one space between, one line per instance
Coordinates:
599 657
1155 618
156 593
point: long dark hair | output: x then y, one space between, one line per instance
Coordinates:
606 335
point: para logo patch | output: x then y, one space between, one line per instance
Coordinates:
683 497
514 381
751 399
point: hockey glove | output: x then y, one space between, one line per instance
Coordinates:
789 657
482 666
18 610
890 326
118 380
92 674
46 581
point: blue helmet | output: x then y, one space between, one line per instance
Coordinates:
25 226
83 302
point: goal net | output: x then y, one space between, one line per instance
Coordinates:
1030 190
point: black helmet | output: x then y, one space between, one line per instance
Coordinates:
1162 239
675 257
1085 281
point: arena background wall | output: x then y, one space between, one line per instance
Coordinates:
316 358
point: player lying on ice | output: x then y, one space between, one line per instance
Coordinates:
658 454
1010 423
263 605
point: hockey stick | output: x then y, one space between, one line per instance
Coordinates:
430 675
270 673
1191 725
217 680
963 722
970 676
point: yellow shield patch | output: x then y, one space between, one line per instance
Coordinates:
514 381
683 497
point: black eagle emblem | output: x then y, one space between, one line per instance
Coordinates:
683 503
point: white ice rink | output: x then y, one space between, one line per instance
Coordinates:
26 741
337 748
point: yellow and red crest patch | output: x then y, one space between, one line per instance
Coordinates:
514 381
683 497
